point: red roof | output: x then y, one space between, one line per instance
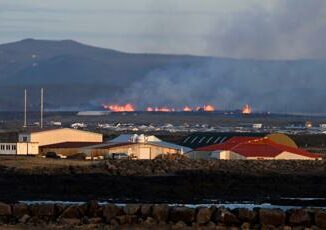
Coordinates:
256 150
256 147
63 145
113 145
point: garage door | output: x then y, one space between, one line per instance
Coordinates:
144 153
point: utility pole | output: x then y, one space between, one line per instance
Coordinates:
25 108
41 122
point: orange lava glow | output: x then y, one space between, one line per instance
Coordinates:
120 108
160 109
246 109
131 108
209 108
187 109
206 108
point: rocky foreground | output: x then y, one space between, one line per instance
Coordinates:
91 215
160 181
158 167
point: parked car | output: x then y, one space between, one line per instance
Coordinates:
117 156
52 155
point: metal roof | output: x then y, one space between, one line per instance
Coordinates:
155 143
197 140
38 130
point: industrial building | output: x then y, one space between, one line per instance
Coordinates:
29 143
135 146
254 148
54 136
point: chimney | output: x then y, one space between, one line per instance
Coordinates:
42 101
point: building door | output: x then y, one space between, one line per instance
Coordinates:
144 153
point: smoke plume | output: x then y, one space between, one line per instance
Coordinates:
290 29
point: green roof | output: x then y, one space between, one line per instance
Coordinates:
196 140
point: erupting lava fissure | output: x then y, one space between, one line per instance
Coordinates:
131 108
206 108
246 109
120 108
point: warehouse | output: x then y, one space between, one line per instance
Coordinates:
54 136
30 143
251 148
135 146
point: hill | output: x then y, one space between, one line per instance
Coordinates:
78 76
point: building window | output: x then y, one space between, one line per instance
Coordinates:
2 147
24 139
7 147
186 139
209 139
201 140
217 139
13 147
193 140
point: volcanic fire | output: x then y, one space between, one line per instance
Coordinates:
208 108
160 109
205 108
187 109
131 108
120 108
246 109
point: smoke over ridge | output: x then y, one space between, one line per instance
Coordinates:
293 86
291 29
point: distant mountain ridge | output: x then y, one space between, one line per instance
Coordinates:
79 76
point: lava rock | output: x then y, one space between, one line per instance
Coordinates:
161 212
110 211
94 209
43 210
224 216
320 218
299 217
150 221
183 214
95 220
146 210
69 221
131 209
247 215
24 219
204 215
179 225
73 212
19 210
5 209
274 217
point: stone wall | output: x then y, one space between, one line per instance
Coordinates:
157 216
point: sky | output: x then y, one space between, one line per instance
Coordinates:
268 29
